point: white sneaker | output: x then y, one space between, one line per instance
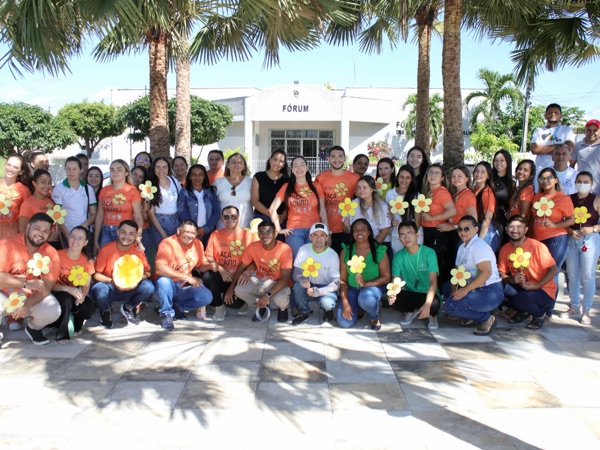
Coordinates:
433 323
409 317
243 310
220 312
14 326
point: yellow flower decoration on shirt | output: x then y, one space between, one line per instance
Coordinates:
310 268
421 203
544 207
274 264
520 258
14 301
398 205
340 189
357 264
305 191
147 191
582 215
78 276
119 199
57 214
348 207
236 247
380 186
460 276
5 203
395 286
38 265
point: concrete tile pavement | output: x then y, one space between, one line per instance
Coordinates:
238 384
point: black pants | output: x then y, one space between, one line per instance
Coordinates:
408 301
215 284
441 245
81 313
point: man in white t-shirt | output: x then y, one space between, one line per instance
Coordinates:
316 274
545 139
566 175
587 153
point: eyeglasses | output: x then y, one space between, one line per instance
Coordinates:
141 159
465 229
233 194
545 179
229 217
434 174
407 235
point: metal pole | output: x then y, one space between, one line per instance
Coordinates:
526 119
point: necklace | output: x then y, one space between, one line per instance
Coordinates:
416 270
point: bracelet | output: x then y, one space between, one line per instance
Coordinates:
25 284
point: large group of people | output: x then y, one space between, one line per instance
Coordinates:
476 247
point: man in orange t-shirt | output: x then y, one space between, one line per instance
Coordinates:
29 267
216 159
272 261
529 287
338 184
176 288
104 291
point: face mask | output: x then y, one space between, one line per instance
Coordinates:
583 188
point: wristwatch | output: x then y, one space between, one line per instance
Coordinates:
268 294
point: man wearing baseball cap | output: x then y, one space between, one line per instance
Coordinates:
316 274
587 153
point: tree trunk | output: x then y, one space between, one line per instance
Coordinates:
422 138
159 117
453 128
182 114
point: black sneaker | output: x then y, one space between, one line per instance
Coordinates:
179 314
282 315
105 319
36 336
263 313
302 318
167 322
130 315
329 315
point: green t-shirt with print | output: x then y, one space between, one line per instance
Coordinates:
415 269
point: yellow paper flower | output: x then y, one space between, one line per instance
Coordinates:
544 207
305 191
14 301
340 189
5 203
398 205
520 258
119 199
348 207
395 286
310 268
147 191
357 264
58 214
274 264
421 203
39 265
236 247
582 215
460 276
380 186
78 276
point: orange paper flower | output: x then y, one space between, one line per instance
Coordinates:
421 204
544 207
310 268
398 205
38 265
380 186
520 258
14 301
78 276
460 276
581 215
348 208
57 214
147 191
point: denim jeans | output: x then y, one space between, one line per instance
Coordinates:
109 234
476 305
537 303
366 298
295 241
327 301
492 237
581 269
558 247
169 223
185 298
104 294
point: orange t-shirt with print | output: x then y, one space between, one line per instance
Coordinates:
541 260
337 188
213 176
526 195
227 249
268 262
118 204
110 253
35 205
303 205
178 257
13 198
439 197
463 200
67 264
15 255
563 208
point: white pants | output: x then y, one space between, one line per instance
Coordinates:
44 313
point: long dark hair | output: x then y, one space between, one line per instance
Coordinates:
424 164
97 193
37 174
393 178
514 199
411 193
291 187
84 249
372 242
205 184
285 171
157 200
488 183
507 179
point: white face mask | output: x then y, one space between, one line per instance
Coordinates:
583 188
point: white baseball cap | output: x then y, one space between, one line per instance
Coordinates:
319 226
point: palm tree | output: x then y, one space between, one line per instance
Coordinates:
435 114
498 88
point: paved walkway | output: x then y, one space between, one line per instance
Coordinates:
242 385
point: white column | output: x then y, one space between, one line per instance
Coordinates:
248 135
344 138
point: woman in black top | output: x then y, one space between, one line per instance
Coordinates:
265 186
504 187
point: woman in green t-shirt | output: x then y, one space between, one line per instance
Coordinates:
362 281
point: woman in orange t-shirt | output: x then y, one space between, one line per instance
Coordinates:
14 190
441 209
483 180
520 202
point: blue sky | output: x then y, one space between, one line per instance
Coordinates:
341 66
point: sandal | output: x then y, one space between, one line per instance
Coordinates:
519 317
467 323
63 341
480 331
375 325
537 323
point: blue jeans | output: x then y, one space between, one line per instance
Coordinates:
366 298
581 270
558 247
476 305
295 241
327 301
109 234
537 303
104 294
492 237
169 223
185 298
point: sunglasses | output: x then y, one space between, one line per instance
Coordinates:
229 217
233 194
465 229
